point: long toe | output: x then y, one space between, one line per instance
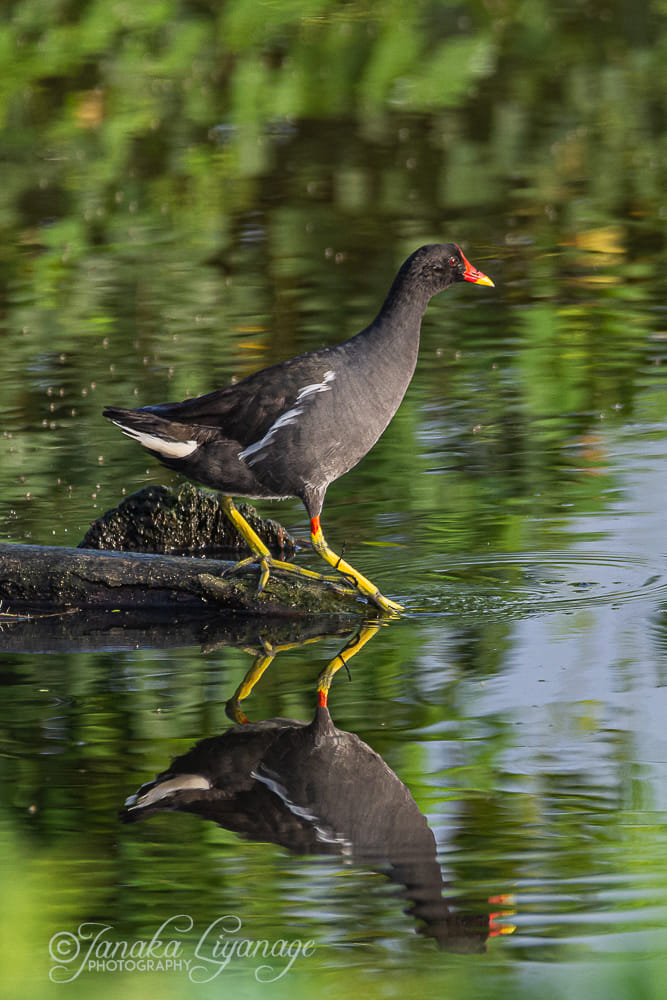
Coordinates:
267 564
385 604
265 570
237 567
264 563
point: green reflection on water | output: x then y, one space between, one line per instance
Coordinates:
188 194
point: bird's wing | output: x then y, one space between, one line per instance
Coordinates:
246 412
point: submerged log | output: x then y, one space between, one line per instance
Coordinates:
126 560
66 578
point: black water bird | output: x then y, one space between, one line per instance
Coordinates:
292 429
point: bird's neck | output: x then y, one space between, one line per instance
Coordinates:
406 294
398 324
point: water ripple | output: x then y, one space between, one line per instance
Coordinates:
544 581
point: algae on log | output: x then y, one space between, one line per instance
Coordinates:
66 577
187 521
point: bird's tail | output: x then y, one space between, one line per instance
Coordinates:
164 437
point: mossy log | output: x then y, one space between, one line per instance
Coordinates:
65 578
151 524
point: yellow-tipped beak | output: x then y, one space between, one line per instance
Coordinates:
480 279
477 277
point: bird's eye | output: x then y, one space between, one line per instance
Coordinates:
453 261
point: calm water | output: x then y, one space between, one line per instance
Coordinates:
208 221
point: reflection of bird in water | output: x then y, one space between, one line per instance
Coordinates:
292 429
314 789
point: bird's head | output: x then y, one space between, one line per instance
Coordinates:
438 265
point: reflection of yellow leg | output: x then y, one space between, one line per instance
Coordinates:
260 552
233 707
264 659
261 662
356 643
363 585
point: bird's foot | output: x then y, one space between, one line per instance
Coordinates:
264 563
386 604
261 555
367 589
362 585
267 563
358 582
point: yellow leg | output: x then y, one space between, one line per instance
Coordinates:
341 659
363 585
260 552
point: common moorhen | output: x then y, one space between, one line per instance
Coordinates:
292 429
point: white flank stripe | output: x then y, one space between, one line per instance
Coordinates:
322 386
283 420
168 447
289 416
